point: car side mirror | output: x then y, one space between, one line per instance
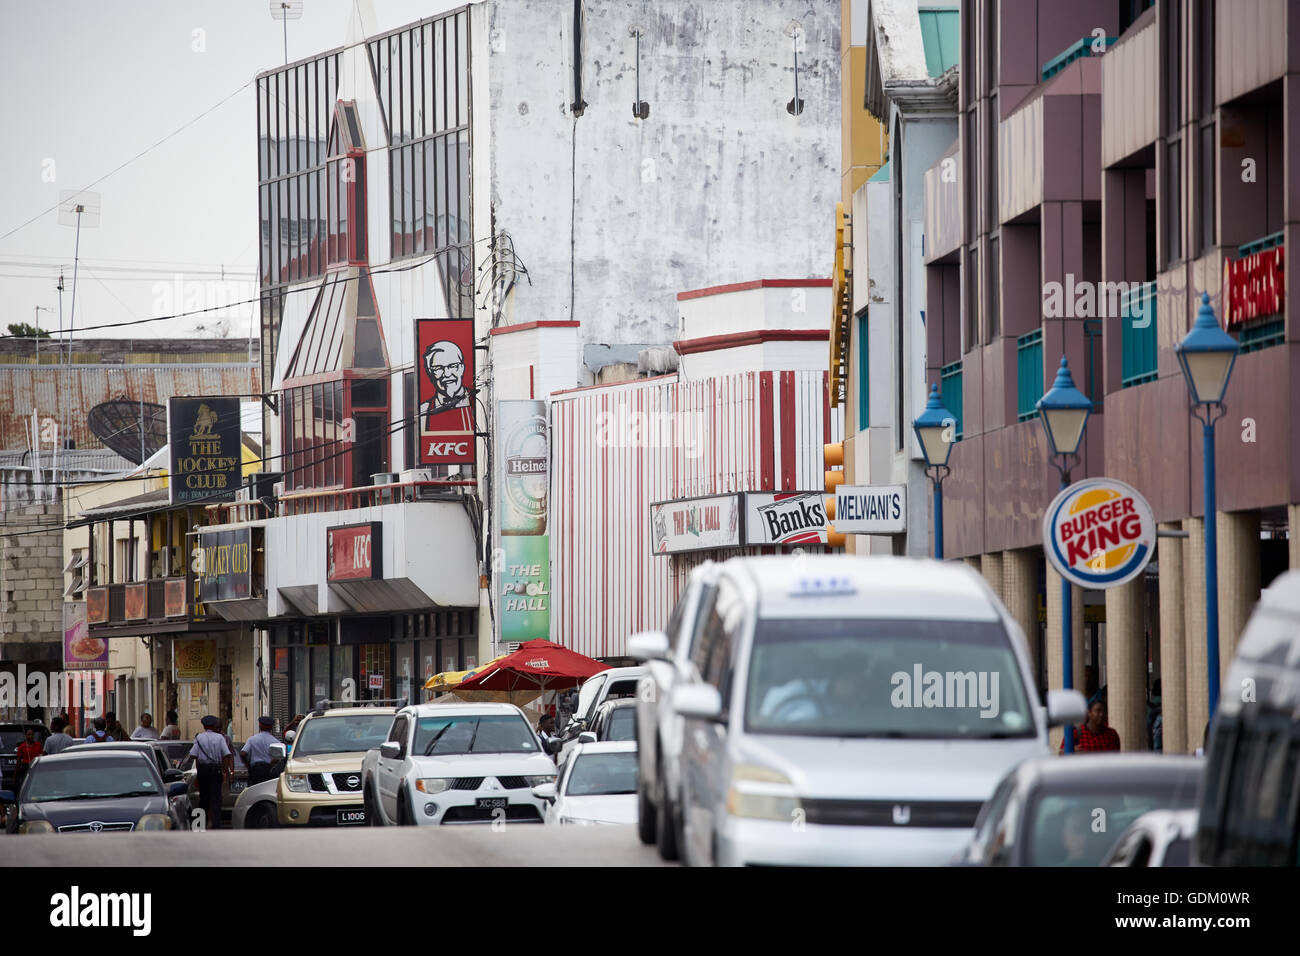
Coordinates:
1065 707
172 775
701 701
177 789
390 750
277 751
586 737
545 791
648 646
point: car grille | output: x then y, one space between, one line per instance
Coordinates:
317 782
95 827
881 813
341 782
513 783
467 783
515 813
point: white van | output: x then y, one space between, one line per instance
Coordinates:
852 710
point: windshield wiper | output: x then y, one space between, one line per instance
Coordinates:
429 749
473 737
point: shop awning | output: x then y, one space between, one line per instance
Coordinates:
389 595
250 609
301 598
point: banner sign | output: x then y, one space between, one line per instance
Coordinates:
354 552
1099 533
174 597
1254 286
97 606
785 517
226 572
444 350
194 661
522 466
204 447
871 509
81 652
525 581
136 602
695 524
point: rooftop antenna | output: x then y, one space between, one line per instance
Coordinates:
284 11
77 207
39 310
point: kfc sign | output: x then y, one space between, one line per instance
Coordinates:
354 552
1254 287
445 372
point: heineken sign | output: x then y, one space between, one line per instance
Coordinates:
204 447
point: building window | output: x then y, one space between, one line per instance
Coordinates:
864 374
1029 374
971 277
1172 86
950 391
1207 160
994 291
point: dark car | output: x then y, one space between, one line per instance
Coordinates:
149 750
615 720
1070 811
95 791
1158 838
175 750
12 733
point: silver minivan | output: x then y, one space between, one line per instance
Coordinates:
852 710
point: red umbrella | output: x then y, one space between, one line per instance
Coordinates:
538 665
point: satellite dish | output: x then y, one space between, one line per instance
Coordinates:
135 430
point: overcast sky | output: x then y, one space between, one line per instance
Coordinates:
93 83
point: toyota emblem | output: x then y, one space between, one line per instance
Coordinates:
354 781
96 826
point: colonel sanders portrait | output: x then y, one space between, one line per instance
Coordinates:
445 366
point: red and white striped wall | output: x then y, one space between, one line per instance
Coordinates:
751 431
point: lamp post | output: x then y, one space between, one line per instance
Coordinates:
1206 356
936 431
1064 413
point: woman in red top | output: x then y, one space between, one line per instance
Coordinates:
1094 733
27 751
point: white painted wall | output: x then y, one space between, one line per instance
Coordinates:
544 350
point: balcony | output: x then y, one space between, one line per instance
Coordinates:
151 602
1138 335
950 391
1029 374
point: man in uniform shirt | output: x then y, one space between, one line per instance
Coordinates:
257 752
215 763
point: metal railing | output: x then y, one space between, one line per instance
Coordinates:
1029 374
368 496
1137 309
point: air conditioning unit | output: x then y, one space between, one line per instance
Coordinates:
384 478
412 475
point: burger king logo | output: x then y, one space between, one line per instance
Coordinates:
1099 533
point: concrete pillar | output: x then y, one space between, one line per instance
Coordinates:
1020 595
1173 643
973 562
1198 710
1238 579
1053 651
1126 662
991 568
1293 534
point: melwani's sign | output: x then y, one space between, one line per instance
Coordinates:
1099 533
354 552
1254 286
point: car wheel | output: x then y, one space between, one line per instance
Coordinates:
404 817
665 824
372 808
261 817
645 815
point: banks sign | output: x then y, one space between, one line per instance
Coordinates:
1099 533
785 517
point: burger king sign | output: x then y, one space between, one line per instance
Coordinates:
1099 533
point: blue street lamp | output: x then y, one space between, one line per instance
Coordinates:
1064 412
936 431
1207 355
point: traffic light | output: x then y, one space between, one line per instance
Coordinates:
834 457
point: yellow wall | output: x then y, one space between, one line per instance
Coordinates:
863 140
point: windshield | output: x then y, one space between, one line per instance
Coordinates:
473 734
596 775
622 724
91 779
1078 829
882 678
350 733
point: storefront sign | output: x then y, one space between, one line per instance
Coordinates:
525 581
1254 286
376 681
1099 533
444 350
871 509
785 517
226 572
97 606
204 447
523 466
194 661
354 552
81 652
695 524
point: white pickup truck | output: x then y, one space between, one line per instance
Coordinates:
456 763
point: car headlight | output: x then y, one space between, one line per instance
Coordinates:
761 793
297 782
36 826
434 784
538 779
154 821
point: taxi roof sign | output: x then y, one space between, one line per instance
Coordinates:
818 586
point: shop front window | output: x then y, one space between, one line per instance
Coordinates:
344 670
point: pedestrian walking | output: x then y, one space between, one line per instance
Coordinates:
114 727
1095 733
28 751
215 765
172 731
100 734
146 729
60 739
257 752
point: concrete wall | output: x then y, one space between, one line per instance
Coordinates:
720 184
31 582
